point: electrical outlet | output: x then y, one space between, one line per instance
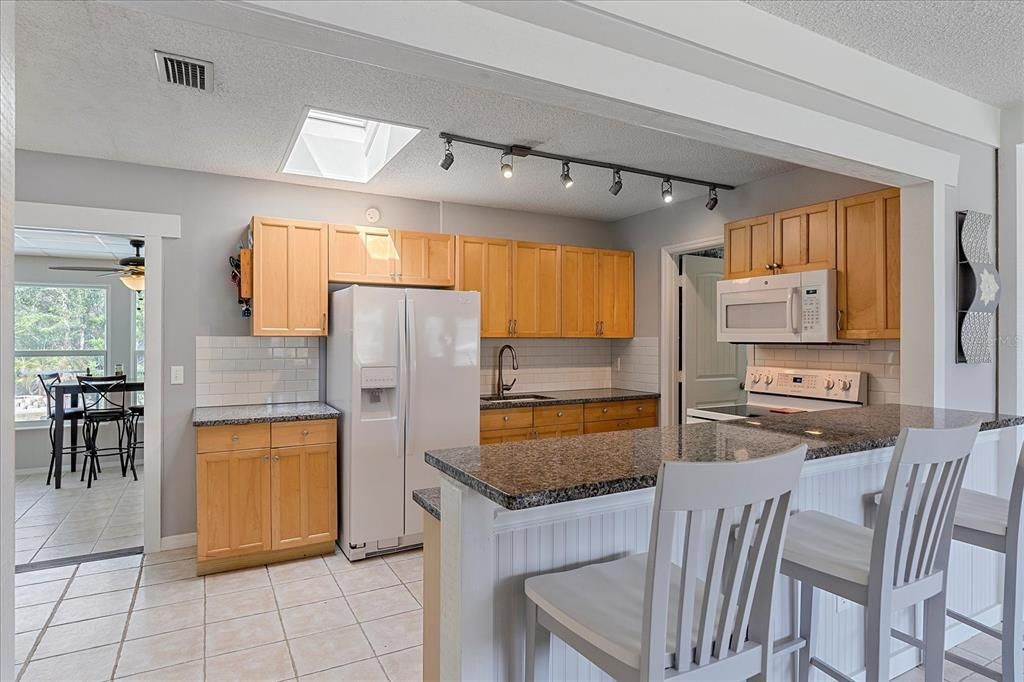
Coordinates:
177 374
618 364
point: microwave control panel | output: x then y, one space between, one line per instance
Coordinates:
828 384
811 309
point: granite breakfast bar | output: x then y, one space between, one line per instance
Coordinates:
516 509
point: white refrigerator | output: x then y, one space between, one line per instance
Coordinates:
403 366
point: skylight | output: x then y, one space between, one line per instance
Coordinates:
340 147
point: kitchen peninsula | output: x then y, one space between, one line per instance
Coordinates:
512 510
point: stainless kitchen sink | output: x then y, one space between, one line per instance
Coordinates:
514 398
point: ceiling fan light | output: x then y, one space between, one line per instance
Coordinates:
135 282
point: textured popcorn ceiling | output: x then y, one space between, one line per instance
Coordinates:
976 48
87 86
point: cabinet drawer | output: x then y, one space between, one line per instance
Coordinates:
623 409
557 415
620 424
505 436
512 418
231 437
289 434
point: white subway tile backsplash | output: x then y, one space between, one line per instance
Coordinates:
635 363
247 370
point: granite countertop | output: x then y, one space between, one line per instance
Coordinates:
254 414
577 397
430 500
539 472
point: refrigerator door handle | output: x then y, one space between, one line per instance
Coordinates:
411 368
403 380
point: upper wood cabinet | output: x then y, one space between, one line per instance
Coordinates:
361 255
485 265
615 294
805 238
425 258
536 289
579 291
868 265
289 277
750 247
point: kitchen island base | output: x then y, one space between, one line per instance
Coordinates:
487 552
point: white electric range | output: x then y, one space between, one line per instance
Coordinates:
779 390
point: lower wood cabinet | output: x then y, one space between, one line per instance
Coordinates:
264 504
558 421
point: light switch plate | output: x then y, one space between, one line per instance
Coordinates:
177 374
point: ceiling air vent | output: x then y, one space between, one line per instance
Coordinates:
174 69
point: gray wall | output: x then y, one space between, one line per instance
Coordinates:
32 444
199 298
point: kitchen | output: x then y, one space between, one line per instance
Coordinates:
324 382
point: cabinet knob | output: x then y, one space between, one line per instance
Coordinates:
604 410
561 414
266 458
234 437
276 458
640 409
505 418
305 432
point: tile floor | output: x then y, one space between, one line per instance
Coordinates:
150 618
980 649
54 524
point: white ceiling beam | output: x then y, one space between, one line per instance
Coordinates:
654 94
743 32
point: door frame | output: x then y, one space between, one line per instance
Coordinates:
154 228
668 347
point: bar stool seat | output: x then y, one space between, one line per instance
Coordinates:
820 545
982 513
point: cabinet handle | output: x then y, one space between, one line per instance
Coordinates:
234 437
597 328
510 327
515 327
839 321
323 323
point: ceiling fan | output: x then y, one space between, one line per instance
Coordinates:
131 270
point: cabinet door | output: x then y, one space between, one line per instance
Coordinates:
232 503
536 289
615 293
485 265
579 291
805 238
303 495
361 255
289 278
558 431
749 247
867 265
425 258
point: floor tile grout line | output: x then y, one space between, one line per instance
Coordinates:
280 619
46 625
127 622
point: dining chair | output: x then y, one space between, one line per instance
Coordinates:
133 422
902 562
103 400
995 523
73 414
645 617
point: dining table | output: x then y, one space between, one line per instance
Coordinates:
73 390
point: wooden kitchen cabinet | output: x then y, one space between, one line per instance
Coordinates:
510 424
579 291
749 247
361 255
615 294
485 265
868 265
425 258
536 289
289 295
257 504
805 238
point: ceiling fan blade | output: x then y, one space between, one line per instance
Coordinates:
84 268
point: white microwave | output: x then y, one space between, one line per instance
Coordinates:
794 308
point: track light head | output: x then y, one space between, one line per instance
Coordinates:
666 191
712 201
448 159
566 178
616 183
506 166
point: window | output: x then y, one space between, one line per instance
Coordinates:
57 328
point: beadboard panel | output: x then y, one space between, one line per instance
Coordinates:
526 544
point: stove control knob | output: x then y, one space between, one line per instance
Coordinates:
755 378
768 380
829 384
845 384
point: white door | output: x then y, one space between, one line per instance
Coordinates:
712 371
443 384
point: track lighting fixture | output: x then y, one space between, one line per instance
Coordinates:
566 178
616 183
712 198
448 159
666 191
506 166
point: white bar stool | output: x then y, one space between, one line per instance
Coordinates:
901 563
995 523
631 616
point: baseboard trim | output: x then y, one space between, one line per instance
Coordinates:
168 542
